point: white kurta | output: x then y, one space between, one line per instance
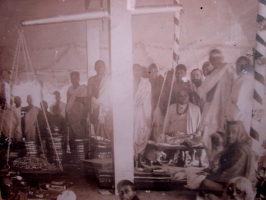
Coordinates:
239 106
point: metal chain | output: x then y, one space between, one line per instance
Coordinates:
26 54
14 67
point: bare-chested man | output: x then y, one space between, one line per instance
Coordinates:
99 103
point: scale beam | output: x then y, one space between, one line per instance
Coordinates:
67 18
99 15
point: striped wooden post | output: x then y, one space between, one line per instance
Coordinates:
256 131
176 36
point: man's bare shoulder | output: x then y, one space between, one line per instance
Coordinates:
92 78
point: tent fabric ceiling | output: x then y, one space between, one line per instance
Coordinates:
228 24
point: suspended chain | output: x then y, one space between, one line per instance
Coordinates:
26 54
191 43
14 68
39 135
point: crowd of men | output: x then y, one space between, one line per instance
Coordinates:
166 109
173 109
86 104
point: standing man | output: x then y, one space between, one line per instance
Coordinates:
196 79
17 111
99 102
239 107
58 105
29 118
76 110
215 92
181 82
142 113
207 68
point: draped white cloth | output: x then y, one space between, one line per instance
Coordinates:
103 101
142 115
80 91
239 107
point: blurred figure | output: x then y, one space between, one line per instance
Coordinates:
8 119
5 89
41 120
58 105
17 110
67 195
29 117
239 188
126 190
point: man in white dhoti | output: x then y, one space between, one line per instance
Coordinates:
142 113
29 119
215 92
99 101
239 106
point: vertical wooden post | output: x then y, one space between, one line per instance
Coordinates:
93 45
122 88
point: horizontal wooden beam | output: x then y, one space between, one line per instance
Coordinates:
67 18
98 15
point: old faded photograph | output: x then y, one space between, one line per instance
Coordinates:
132 99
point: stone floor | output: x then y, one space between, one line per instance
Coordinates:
86 188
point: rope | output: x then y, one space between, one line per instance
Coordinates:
185 39
14 68
168 103
26 54
191 43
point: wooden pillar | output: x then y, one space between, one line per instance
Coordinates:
93 45
122 88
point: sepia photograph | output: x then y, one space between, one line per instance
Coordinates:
132 99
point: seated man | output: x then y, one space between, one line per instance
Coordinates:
126 190
182 120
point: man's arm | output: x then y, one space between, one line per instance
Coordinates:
68 97
89 95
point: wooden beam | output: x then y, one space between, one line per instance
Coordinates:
66 18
